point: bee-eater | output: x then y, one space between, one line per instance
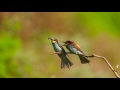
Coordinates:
75 49
58 48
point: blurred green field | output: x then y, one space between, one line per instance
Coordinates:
25 48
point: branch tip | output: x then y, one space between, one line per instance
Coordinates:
117 66
94 55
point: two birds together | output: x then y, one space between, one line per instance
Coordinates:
72 47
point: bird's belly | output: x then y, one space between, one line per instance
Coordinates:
78 52
72 49
57 48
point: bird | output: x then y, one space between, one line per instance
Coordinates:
75 49
63 56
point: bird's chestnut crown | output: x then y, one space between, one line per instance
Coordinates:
68 42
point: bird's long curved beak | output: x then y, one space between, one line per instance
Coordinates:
49 38
65 44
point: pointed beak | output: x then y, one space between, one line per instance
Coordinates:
49 38
65 44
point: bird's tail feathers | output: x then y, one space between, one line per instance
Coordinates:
66 62
83 59
62 64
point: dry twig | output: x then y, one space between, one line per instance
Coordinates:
93 55
114 71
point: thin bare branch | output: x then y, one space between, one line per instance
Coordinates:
94 55
114 71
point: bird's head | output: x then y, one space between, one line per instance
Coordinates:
53 40
67 43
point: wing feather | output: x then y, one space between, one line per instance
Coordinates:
77 46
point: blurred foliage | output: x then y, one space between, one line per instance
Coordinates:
25 48
9 46
97 22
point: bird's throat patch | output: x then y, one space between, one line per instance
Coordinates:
53 41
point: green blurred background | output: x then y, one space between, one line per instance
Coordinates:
25 48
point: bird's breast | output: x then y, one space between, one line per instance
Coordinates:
57 48
71 48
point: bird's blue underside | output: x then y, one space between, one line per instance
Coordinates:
73 50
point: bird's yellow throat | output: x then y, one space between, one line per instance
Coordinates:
53 41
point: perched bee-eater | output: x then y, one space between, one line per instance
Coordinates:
59 49
75 49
